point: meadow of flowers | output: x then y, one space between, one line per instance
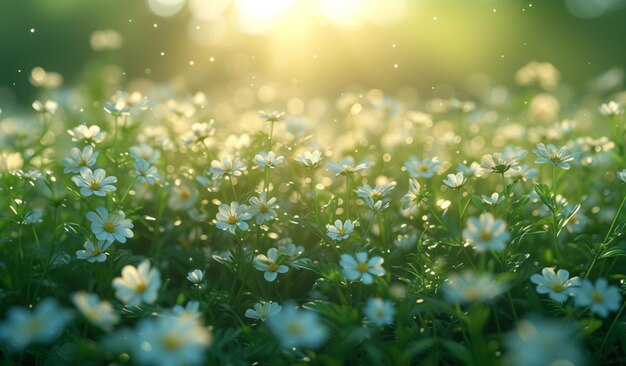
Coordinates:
374 228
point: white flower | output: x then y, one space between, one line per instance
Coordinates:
455 181
522 172
552 155
499 163
90 135
200 132
424 168
94 182
262 209
111 226
376 206
538 342
138 284
347 167
232 217
270 264
610 109
227 168
622 175
145 172
557 285
379 311
272 116
171 341
412 199
41 325
309 159
94 253
376 193
196 276
361 268
492 200
340 231
78 159
100 313
468 287
268 159
602 297
145 152
263 310
117 108
182 197
486 233
297 328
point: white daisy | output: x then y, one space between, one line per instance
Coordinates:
233 217
379 311
94 253
263 310
111 226
602 297
263 209
557 285
94 182
138 284
486 233
77 159
340 230
270 264
361 268
100 313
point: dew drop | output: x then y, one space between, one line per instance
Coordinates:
32 30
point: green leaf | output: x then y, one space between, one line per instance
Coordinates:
458 351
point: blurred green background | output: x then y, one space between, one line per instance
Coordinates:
320 46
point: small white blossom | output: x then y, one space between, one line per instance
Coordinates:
77 159
309 159
455 181
486 233
268 159
232 217
340 230
380 312
361 268
111 226
138 284
94 252
263 310
94 182
557 285
100 313
601 297
196 276
270 264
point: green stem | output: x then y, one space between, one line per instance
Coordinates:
347 199
606 237
506 199
269 139
611 328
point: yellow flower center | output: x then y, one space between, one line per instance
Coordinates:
141 287
557 287
232 220
423 168
342 232
472 294
597 298
272 267
294 328
82 163
172 342
263 314
184 194
94 185
263 209
380 313
485 235
109 227
362 267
